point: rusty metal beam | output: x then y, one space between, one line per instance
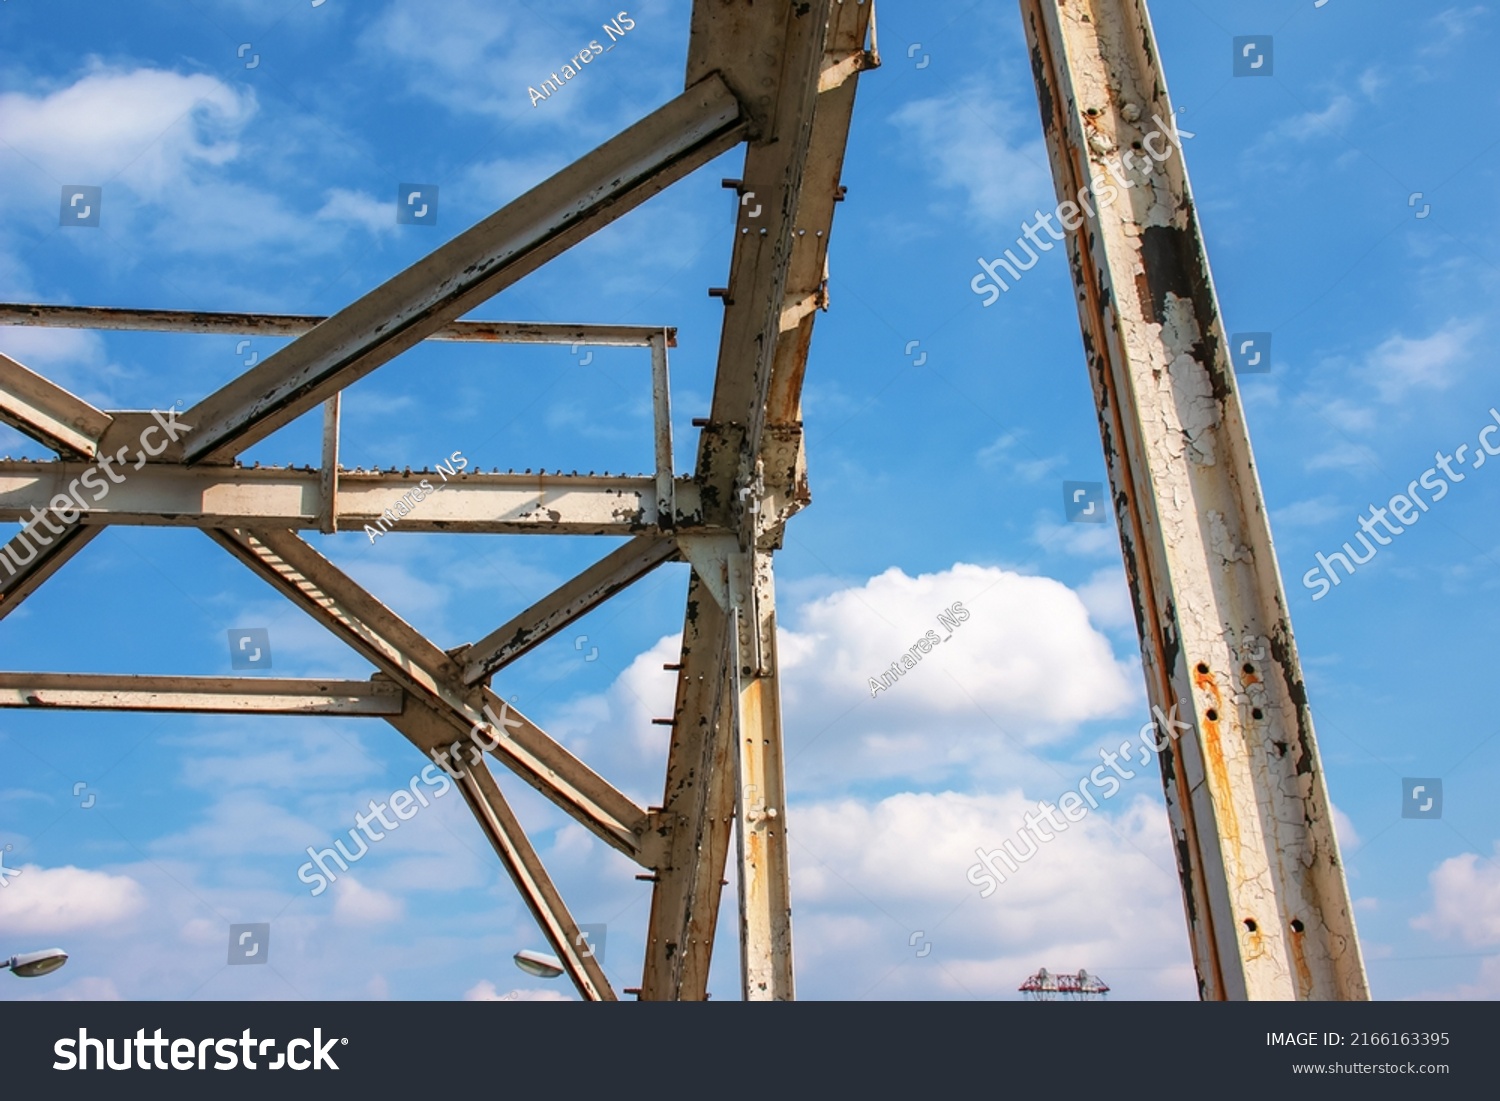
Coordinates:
48 413
624 172
1267 904
424 671
618 570
697 810
126 319
428 730
288 497
204 695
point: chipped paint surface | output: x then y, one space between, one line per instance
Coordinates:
1247 801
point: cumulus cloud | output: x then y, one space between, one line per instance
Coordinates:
984 145
42 901
356 904
876 882
1028 656
145 127
1465 899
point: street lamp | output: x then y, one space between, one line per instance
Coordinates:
539 964
32 965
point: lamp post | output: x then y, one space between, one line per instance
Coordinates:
33 965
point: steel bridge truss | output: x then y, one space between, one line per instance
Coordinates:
1267 905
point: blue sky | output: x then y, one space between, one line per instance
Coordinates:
249 155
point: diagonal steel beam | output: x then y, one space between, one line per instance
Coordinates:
27 566
1263 884
428 731
691 130
48 413
423 670
202 695
620 569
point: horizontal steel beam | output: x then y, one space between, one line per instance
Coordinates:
203 322
48 413
206 695
286 497
555 611
624 172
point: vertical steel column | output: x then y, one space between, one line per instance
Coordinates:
1267 905
765 877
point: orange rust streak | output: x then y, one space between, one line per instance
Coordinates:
1299 960
1213 748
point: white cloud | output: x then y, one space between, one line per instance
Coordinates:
1465 900
42 901
986 146
1002 455
869 877
1028 661
1343 828
1107 597
1402 364
486 991
356 904
144 127
1317 125
358 208
1028 655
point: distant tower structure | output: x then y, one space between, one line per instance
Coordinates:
1046 987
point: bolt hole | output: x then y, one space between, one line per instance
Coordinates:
1092 112
1203 667
1257 713
1247 667
1250 925
1296 925
1211 715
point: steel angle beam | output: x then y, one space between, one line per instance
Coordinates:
432 677
48 413
204 695
697 812
293 498
617 571
1267 904
30 558
202 322
428 731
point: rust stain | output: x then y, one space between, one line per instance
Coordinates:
1213 749
1299 960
